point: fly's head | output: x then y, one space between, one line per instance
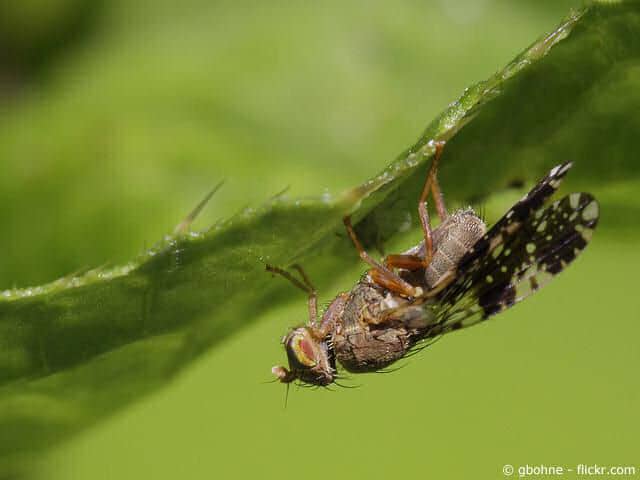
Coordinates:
311 360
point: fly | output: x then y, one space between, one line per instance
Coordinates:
460 274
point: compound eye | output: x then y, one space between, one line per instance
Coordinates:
301 348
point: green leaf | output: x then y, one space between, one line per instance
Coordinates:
75 350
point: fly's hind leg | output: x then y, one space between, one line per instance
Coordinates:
381 274
435 186
416 262
431 185
405 262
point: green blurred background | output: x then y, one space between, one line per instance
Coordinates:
116 117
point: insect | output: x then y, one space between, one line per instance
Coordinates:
460 274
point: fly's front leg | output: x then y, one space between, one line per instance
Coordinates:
306 286
319 328
380 274
313 295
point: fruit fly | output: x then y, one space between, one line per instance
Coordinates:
460 274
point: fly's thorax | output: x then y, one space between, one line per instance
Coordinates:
362 340
364 304
451 240
310 359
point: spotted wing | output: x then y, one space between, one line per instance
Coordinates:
516 217
511 263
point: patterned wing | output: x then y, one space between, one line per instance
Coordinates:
518 255
516 217
520 264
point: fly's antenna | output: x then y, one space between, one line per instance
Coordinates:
184 225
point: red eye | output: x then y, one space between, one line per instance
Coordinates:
306 348
302 349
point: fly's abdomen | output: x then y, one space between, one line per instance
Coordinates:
369 351
360 344
451 240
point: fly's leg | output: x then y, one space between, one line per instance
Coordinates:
318 328
394 283
431 185
384 275
405 262
380 274
435 186
415 262
313 295
305 286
